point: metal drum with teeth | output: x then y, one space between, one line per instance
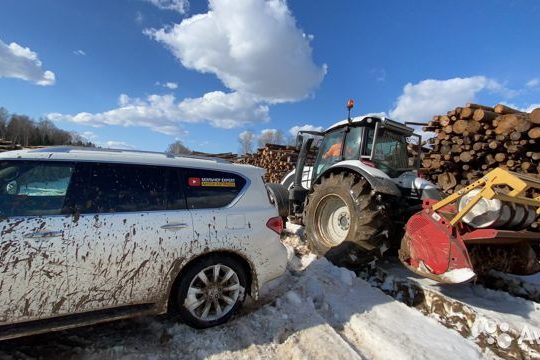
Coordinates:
496 214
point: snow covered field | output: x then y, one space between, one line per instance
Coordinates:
316 311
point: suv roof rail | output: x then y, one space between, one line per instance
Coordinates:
67 149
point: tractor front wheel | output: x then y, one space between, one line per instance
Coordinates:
344 221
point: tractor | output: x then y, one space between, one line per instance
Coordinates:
364 195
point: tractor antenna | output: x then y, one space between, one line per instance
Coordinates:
350 105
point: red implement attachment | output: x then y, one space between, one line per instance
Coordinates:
435 249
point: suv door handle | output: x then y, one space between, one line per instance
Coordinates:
174 226
44 234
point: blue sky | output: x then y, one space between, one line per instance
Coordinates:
256 65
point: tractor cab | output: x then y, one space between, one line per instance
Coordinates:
377 142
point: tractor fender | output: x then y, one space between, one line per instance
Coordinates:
379 181
413 186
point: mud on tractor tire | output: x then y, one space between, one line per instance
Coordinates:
344 221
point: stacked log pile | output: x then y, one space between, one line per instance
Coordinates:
472 140
278 160
225 156
6 145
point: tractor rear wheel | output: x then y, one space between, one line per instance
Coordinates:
344 221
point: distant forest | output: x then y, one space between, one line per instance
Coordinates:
23 130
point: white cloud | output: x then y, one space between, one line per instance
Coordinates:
79 52
163 114
169 85
122 145
419 102
22 63
111 144
533 83
295 129
89 135
139 17
180 6
224 110
532 107
252 46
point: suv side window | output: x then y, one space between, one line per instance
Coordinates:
109 188
33 188
207 189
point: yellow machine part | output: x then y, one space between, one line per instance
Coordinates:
490 184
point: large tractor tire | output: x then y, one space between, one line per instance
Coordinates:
344 220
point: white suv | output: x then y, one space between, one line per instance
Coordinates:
92 235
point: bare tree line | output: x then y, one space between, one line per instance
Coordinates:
248 139
23 130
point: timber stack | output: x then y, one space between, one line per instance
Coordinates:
6 145
278 160
472 140
224 156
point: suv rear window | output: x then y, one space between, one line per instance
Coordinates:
33 188
206 189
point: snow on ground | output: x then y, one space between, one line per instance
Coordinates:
315 311
531 279
507 325
495 305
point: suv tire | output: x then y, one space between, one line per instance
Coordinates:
210 291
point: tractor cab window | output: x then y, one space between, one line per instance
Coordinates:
353 140
390 153
368 142
329 152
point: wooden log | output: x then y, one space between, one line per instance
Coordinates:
534 133
480 146
444 120
515 135
500 157
504 110
484 115
460 126
466 113
473 126
478 106
494 144
442 136
446 180
512 122
535 116
465 156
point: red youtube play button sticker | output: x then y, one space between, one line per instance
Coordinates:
194 181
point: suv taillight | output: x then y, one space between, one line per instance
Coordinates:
275 224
